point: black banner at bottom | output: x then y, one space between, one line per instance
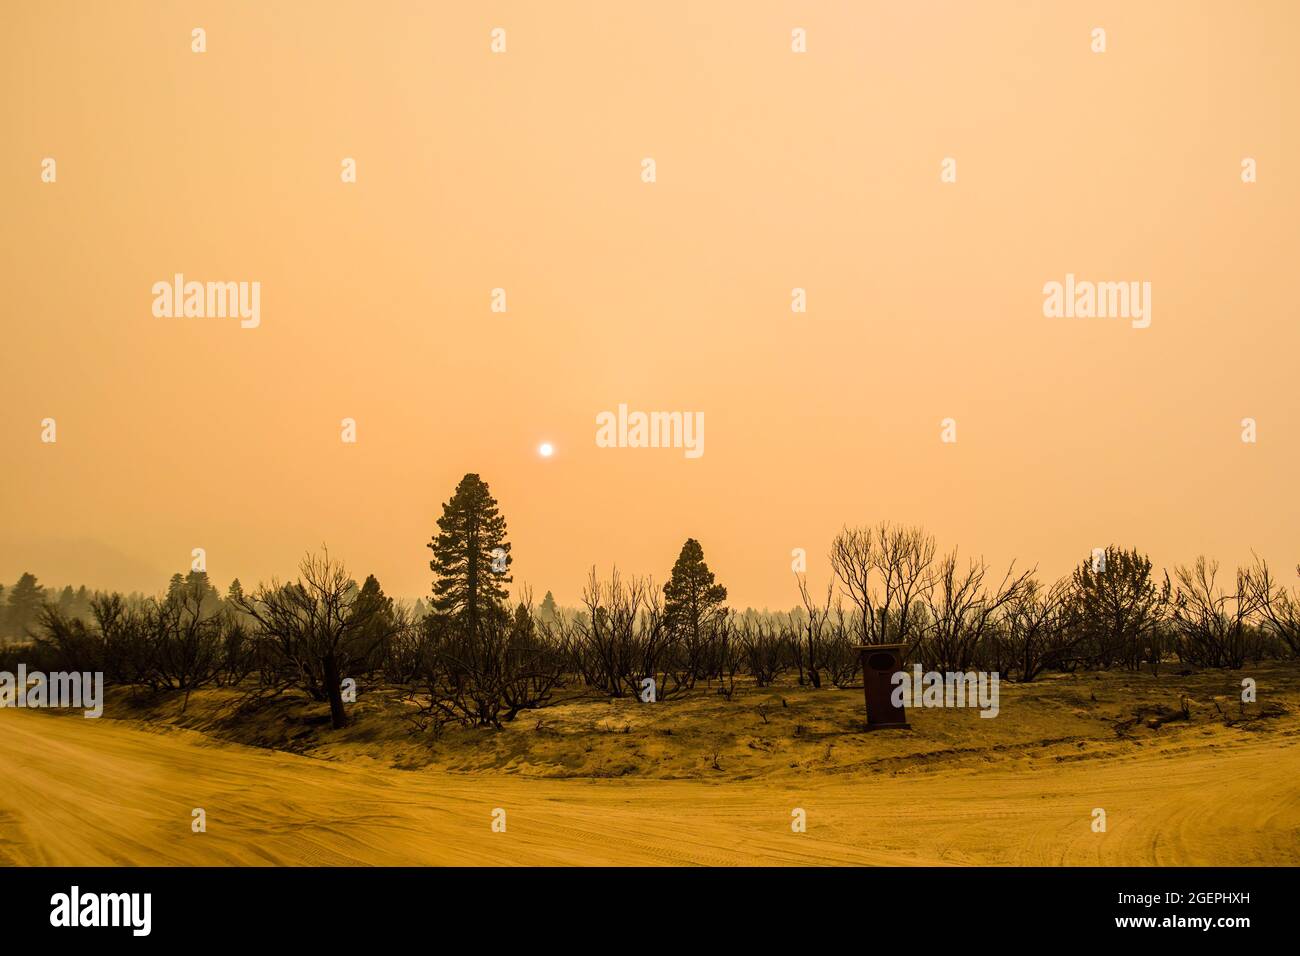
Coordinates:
242 905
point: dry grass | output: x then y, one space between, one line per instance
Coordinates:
778 731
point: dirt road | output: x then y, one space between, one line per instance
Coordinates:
101 792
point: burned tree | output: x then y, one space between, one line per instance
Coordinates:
809 647
963 612
484 676
1034 629
1118 607
621 639
316 630
767 648
184 637
1212 624
885 572
1279 608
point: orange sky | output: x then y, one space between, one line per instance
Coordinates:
522 171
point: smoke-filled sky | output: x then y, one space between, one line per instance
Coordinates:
523 170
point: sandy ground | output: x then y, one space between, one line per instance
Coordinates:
106 792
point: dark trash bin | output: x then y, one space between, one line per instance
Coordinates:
880 662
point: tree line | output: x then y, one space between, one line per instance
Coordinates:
21 603
478 657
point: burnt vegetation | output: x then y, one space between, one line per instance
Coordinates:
471 655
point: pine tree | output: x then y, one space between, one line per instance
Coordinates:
548 611
378 610
198 583
471 557
374 602
82 602
25 600
691 598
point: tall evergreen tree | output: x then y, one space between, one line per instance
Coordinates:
548 612
691 598
379 611
375 604
199 583
25 600
82 602
471 556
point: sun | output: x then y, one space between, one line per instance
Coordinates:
546 450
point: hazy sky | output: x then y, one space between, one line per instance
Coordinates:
523 171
